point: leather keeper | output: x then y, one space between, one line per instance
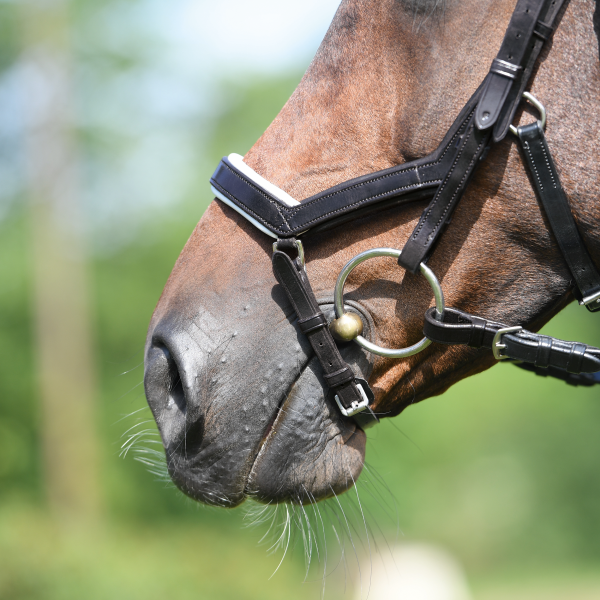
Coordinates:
542 358
311 323
504 68
477 332
542 31
286 244
575 362
338 378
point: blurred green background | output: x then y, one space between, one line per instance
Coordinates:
502 471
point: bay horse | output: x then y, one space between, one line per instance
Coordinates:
233 384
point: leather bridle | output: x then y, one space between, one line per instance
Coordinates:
442 176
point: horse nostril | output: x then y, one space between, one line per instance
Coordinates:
174 384
174 404
163 381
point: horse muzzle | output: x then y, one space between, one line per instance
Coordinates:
247 413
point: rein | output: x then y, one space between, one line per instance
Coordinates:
443 177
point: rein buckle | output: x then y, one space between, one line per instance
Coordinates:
497 344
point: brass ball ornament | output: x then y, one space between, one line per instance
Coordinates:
347 327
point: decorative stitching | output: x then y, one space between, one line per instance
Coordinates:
430 208
291 212
449 204
399 172
263 194
548 164
254 214
532 162
306 223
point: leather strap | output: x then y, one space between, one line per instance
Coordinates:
556 206
506 68
457 327
437 215
575 379
337 373
402 181
542 31
507 65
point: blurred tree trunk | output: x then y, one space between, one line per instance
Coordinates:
61 308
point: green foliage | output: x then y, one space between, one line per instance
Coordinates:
9 28
136 561
19 466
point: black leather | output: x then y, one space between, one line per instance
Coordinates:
505 68
575 379
437 215
541 33
516 48
457 327
403 180
336 372
442 176
556 207
423 174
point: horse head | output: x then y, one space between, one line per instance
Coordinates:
234 385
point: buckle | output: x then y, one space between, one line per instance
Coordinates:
299 249
497 344
356 406
594 299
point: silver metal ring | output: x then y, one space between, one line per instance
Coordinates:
361 341
537 104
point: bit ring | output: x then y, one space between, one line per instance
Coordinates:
361 341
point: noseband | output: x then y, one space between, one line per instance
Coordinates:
443 176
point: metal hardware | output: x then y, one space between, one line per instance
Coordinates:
505 68
497 344
361 341
347 327
299 248
537 104
355 407
590 299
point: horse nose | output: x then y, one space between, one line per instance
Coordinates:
168 382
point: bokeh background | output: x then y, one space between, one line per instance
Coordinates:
113 114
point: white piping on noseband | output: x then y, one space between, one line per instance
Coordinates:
237 161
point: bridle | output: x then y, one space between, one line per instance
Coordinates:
442 176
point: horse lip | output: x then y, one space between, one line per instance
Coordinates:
272 425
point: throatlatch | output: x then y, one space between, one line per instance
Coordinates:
443 177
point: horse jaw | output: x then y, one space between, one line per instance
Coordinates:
232 382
